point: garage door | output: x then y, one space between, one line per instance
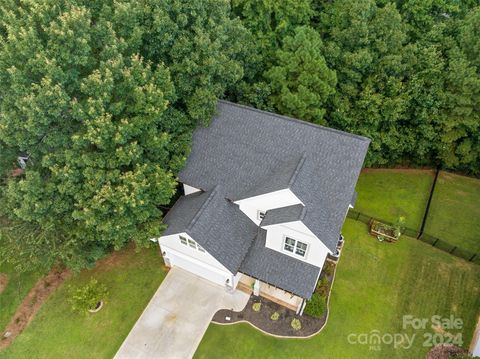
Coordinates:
196 267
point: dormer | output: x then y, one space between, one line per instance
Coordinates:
273 191
256 207
287 234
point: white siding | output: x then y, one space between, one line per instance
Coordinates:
200 263
316 250
251 206
189 189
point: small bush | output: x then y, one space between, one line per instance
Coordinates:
87 297
323 286
328 268
296 324
256 306
275 316
316 306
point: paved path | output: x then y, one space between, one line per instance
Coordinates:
175 320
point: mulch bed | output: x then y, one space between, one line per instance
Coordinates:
31 304
445 351
282 326
262 319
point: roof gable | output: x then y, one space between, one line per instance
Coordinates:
216 224
249 152
283 215
280 177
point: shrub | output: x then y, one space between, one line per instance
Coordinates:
296 324
323 286
256 306
316 306
87 297
275 316
328 268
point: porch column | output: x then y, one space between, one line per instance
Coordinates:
256 287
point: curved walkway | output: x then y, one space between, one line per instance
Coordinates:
174 322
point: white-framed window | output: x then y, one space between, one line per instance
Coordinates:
260 215
183 240
191 243
293 246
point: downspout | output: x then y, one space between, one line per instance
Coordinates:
301 307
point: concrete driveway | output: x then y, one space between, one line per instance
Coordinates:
175 320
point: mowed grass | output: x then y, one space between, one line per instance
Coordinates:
56 332
388 194
455 211
376 285
19 284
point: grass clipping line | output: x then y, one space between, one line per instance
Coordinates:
31 304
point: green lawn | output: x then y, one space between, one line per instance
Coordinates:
455 211
56 332
17 288
376 284
388 194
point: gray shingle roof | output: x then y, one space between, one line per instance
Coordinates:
249 151
215 223
278 269
182 213
280 177
283 215
354 199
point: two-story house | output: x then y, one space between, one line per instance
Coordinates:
265 199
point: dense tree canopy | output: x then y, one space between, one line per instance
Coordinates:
407 74
300 79
102 97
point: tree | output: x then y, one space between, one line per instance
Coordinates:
301 81
268 22
364 44
88 94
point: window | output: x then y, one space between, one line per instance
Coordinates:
191 243
301 249
260 215
289 244
183 240
293 246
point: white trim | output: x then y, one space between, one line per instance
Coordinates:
261 214
302 231
187 189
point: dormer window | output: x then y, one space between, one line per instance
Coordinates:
261 215
293 246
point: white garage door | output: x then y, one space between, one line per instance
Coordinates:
196 267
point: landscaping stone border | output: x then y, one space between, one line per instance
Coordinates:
280 328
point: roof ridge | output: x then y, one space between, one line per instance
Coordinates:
297 169
202 208
314 125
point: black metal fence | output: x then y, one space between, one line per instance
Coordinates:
424 237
